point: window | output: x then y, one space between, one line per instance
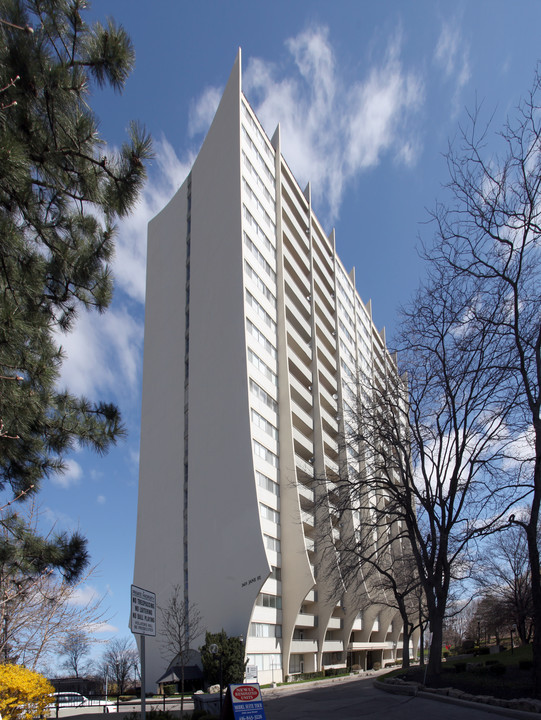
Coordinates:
256 229
296 663
260 161
270 601
263 368
254 175
266 661
272 543
262 423
260 310
269 513
258 392
261 339
259 256
260 137
265 630
275 573
256 201
263 452
268 484
263 289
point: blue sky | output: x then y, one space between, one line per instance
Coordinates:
368 96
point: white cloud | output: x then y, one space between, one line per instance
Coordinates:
202 110
452 55
101 499
167 173
103 352
70 476
346 128
101 627
84 595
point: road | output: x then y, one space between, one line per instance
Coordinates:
352 698
355 699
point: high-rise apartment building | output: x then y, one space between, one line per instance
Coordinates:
254 332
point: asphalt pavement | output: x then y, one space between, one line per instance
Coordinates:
350 698
356 698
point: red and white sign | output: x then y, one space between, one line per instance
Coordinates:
246 702
246 693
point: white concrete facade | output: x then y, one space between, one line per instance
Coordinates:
253 329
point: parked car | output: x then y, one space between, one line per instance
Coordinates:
75 699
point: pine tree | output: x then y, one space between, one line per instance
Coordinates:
61 192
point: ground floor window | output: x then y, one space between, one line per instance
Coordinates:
331 658
266 661
296 663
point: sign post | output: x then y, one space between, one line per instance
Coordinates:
143 623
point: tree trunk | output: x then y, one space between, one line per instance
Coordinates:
406 634
182 690
533 551
434 657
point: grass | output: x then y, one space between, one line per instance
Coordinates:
513 682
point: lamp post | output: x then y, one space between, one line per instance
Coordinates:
215 650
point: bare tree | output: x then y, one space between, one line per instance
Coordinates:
36 617
75 649
505 579
375 565
431 453
119 661
180 626
488 235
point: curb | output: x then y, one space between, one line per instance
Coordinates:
486 702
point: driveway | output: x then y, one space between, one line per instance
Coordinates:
356 698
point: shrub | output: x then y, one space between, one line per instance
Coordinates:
497 669
169 690
23 694
376 666
198 714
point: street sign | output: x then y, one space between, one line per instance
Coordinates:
143 611
250 674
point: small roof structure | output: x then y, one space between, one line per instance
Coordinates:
174 674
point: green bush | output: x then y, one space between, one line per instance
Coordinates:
497 668
376 666
198 714
169 690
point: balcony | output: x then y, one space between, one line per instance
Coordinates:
306 492
304 620
303 445
305 395
303 646
307 520
334 624
333 646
